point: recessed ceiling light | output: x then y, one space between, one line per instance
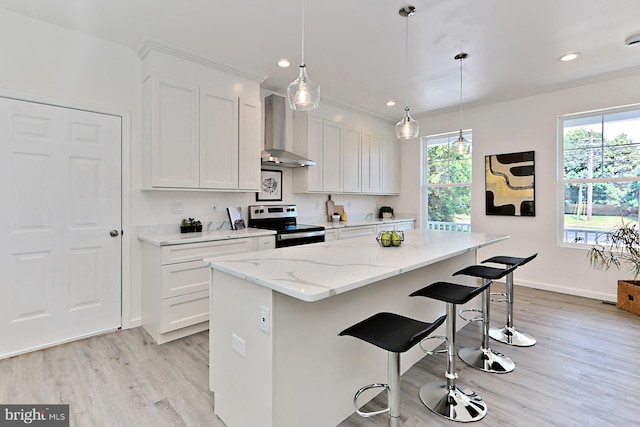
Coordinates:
569 56
390 103
632 40
283 63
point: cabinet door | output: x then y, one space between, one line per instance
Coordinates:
265 242
351 161
249 145
371 163
352 232
218 140
332 157
174 133
390 165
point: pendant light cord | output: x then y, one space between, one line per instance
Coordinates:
460 113
406 62
302 34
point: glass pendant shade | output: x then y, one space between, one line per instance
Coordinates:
407 128
461 142
303 93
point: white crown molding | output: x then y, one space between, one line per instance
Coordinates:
146 45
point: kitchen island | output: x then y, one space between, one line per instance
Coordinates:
275 355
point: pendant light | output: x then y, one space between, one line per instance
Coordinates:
407 128
461 141
303 93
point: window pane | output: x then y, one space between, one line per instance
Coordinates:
449 204
593 209
447 166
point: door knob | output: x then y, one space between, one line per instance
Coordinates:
114 233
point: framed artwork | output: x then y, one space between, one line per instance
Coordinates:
270 186
235 218
509 184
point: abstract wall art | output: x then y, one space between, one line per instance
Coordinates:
509 184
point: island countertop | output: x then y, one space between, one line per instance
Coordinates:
318 271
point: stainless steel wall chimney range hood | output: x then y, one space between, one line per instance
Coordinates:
274 136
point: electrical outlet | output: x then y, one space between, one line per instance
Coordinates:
264 320
214 207
317 204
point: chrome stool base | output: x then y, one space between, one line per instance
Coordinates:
454 404
486 360
510 336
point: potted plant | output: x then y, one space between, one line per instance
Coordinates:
190 225
622 246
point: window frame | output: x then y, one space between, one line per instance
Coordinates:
561 181
468 135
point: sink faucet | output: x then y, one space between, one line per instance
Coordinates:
209 224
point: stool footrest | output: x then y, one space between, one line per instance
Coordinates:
505 297
362 390
477 318
432 352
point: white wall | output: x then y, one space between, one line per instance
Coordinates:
523 125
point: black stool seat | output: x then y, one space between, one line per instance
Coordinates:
510 260
450 292
489 273
392 332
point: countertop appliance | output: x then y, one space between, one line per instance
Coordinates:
283 220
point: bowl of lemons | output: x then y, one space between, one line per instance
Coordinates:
390 238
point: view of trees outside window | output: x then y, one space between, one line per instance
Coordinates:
448 182
601 173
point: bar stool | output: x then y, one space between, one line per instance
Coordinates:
483 357
447 399
508 334
396 334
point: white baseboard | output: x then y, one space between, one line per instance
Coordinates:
566 290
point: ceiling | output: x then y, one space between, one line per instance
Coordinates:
355 48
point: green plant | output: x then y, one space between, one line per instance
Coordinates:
620 247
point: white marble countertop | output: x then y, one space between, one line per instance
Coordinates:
318 271
165 239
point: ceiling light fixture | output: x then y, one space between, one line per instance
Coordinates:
461 141
569 56
632 40
303 93
390 103
407 128
283 63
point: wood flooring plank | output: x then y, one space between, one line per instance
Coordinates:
583 371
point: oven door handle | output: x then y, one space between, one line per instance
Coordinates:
300 235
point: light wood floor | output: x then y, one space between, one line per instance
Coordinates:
584 371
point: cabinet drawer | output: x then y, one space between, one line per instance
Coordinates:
186 310
197 251
350 232
185 278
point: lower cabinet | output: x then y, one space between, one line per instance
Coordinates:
360 231
400 225
175 284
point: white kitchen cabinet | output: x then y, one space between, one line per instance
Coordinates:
307 137
390 165
330 234
175 284
371 163
171 117
332 143
351 161
200 138
359 231
400 226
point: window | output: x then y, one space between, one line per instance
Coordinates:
447 195
600 159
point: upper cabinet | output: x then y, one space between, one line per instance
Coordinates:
202 127
348 159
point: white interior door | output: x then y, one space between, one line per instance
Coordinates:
60 185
